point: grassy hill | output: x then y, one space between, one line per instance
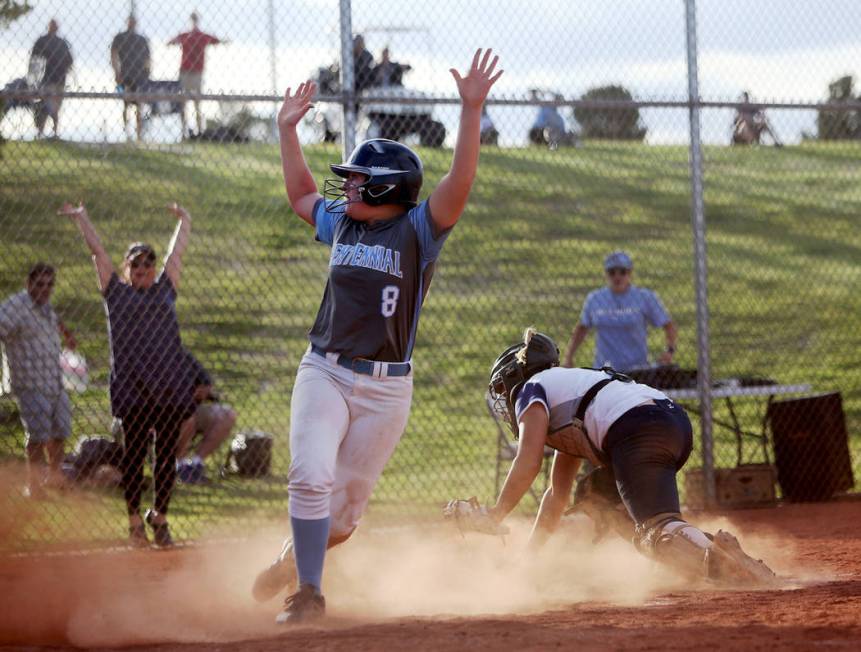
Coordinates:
784 247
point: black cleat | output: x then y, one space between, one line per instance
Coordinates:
160 531
304 606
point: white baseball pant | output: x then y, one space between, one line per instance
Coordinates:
344 427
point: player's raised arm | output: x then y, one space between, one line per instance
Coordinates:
449 199
300 185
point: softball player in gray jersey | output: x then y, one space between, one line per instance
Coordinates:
354 385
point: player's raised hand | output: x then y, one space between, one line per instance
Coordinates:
296 106
475 86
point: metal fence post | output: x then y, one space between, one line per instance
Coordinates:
348 103
273 69
700 257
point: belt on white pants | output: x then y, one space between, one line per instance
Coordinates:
364 366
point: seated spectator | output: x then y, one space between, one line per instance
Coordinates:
212 420
388 72
750 123
549 126
489 135
363 64
30 329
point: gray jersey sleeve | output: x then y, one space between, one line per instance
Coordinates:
430 238
325 222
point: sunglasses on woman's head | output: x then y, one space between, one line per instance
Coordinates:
146 263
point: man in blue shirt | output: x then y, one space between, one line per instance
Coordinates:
620 313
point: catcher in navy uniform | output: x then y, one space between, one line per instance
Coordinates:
623 427
353 389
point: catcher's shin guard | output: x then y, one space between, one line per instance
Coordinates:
716 557
280 574
677 543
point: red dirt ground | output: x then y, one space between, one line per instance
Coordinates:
194 599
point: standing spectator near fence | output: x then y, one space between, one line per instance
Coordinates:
363 65
151 388
212 420
620 313
750 123
130 58
53 56
30 329
193 45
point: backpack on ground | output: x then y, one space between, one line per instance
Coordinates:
250 454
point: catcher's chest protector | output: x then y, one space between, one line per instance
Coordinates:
572 440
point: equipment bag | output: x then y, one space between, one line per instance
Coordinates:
250 454
93 452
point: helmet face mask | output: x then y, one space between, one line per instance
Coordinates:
392 173
512 369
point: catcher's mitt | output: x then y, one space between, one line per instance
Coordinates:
471 516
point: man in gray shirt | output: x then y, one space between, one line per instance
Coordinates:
56 59
29 329
130 58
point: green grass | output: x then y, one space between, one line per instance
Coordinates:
784 247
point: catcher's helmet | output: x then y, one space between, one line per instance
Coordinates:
394 175
517 364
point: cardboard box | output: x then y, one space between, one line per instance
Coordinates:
747 485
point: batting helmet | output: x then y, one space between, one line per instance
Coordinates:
393 173
517 364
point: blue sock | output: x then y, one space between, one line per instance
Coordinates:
309 545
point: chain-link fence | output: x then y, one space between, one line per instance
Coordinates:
587 151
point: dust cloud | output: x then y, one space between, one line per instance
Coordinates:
437 571
201 593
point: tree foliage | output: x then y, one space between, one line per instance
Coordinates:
12 10
841 124
617 124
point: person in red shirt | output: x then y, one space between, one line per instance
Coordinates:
193 46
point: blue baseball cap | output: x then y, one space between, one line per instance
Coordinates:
618 259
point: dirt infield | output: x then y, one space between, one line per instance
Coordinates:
412 591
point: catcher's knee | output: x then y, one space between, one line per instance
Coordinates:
673 541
